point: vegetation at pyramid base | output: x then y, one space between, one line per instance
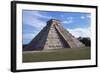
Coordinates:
85 40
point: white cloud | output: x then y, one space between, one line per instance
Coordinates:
68 20
83 17
28 36
62 16
32 18
39 24
36 13
80 32
87 16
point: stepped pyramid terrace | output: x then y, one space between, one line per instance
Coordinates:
53 36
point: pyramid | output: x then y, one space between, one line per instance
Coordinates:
53 36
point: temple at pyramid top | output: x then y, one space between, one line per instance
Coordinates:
53 36
53 22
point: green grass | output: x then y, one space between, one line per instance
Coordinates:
57 55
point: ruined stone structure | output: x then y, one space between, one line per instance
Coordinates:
53 36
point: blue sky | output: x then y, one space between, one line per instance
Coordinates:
78 24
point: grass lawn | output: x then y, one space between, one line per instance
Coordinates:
57 55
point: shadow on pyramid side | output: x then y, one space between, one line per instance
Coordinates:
53 36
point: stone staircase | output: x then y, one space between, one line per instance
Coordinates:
70 39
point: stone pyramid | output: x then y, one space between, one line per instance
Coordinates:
53 36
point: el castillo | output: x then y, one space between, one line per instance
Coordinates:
54 43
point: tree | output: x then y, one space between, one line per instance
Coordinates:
85 40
